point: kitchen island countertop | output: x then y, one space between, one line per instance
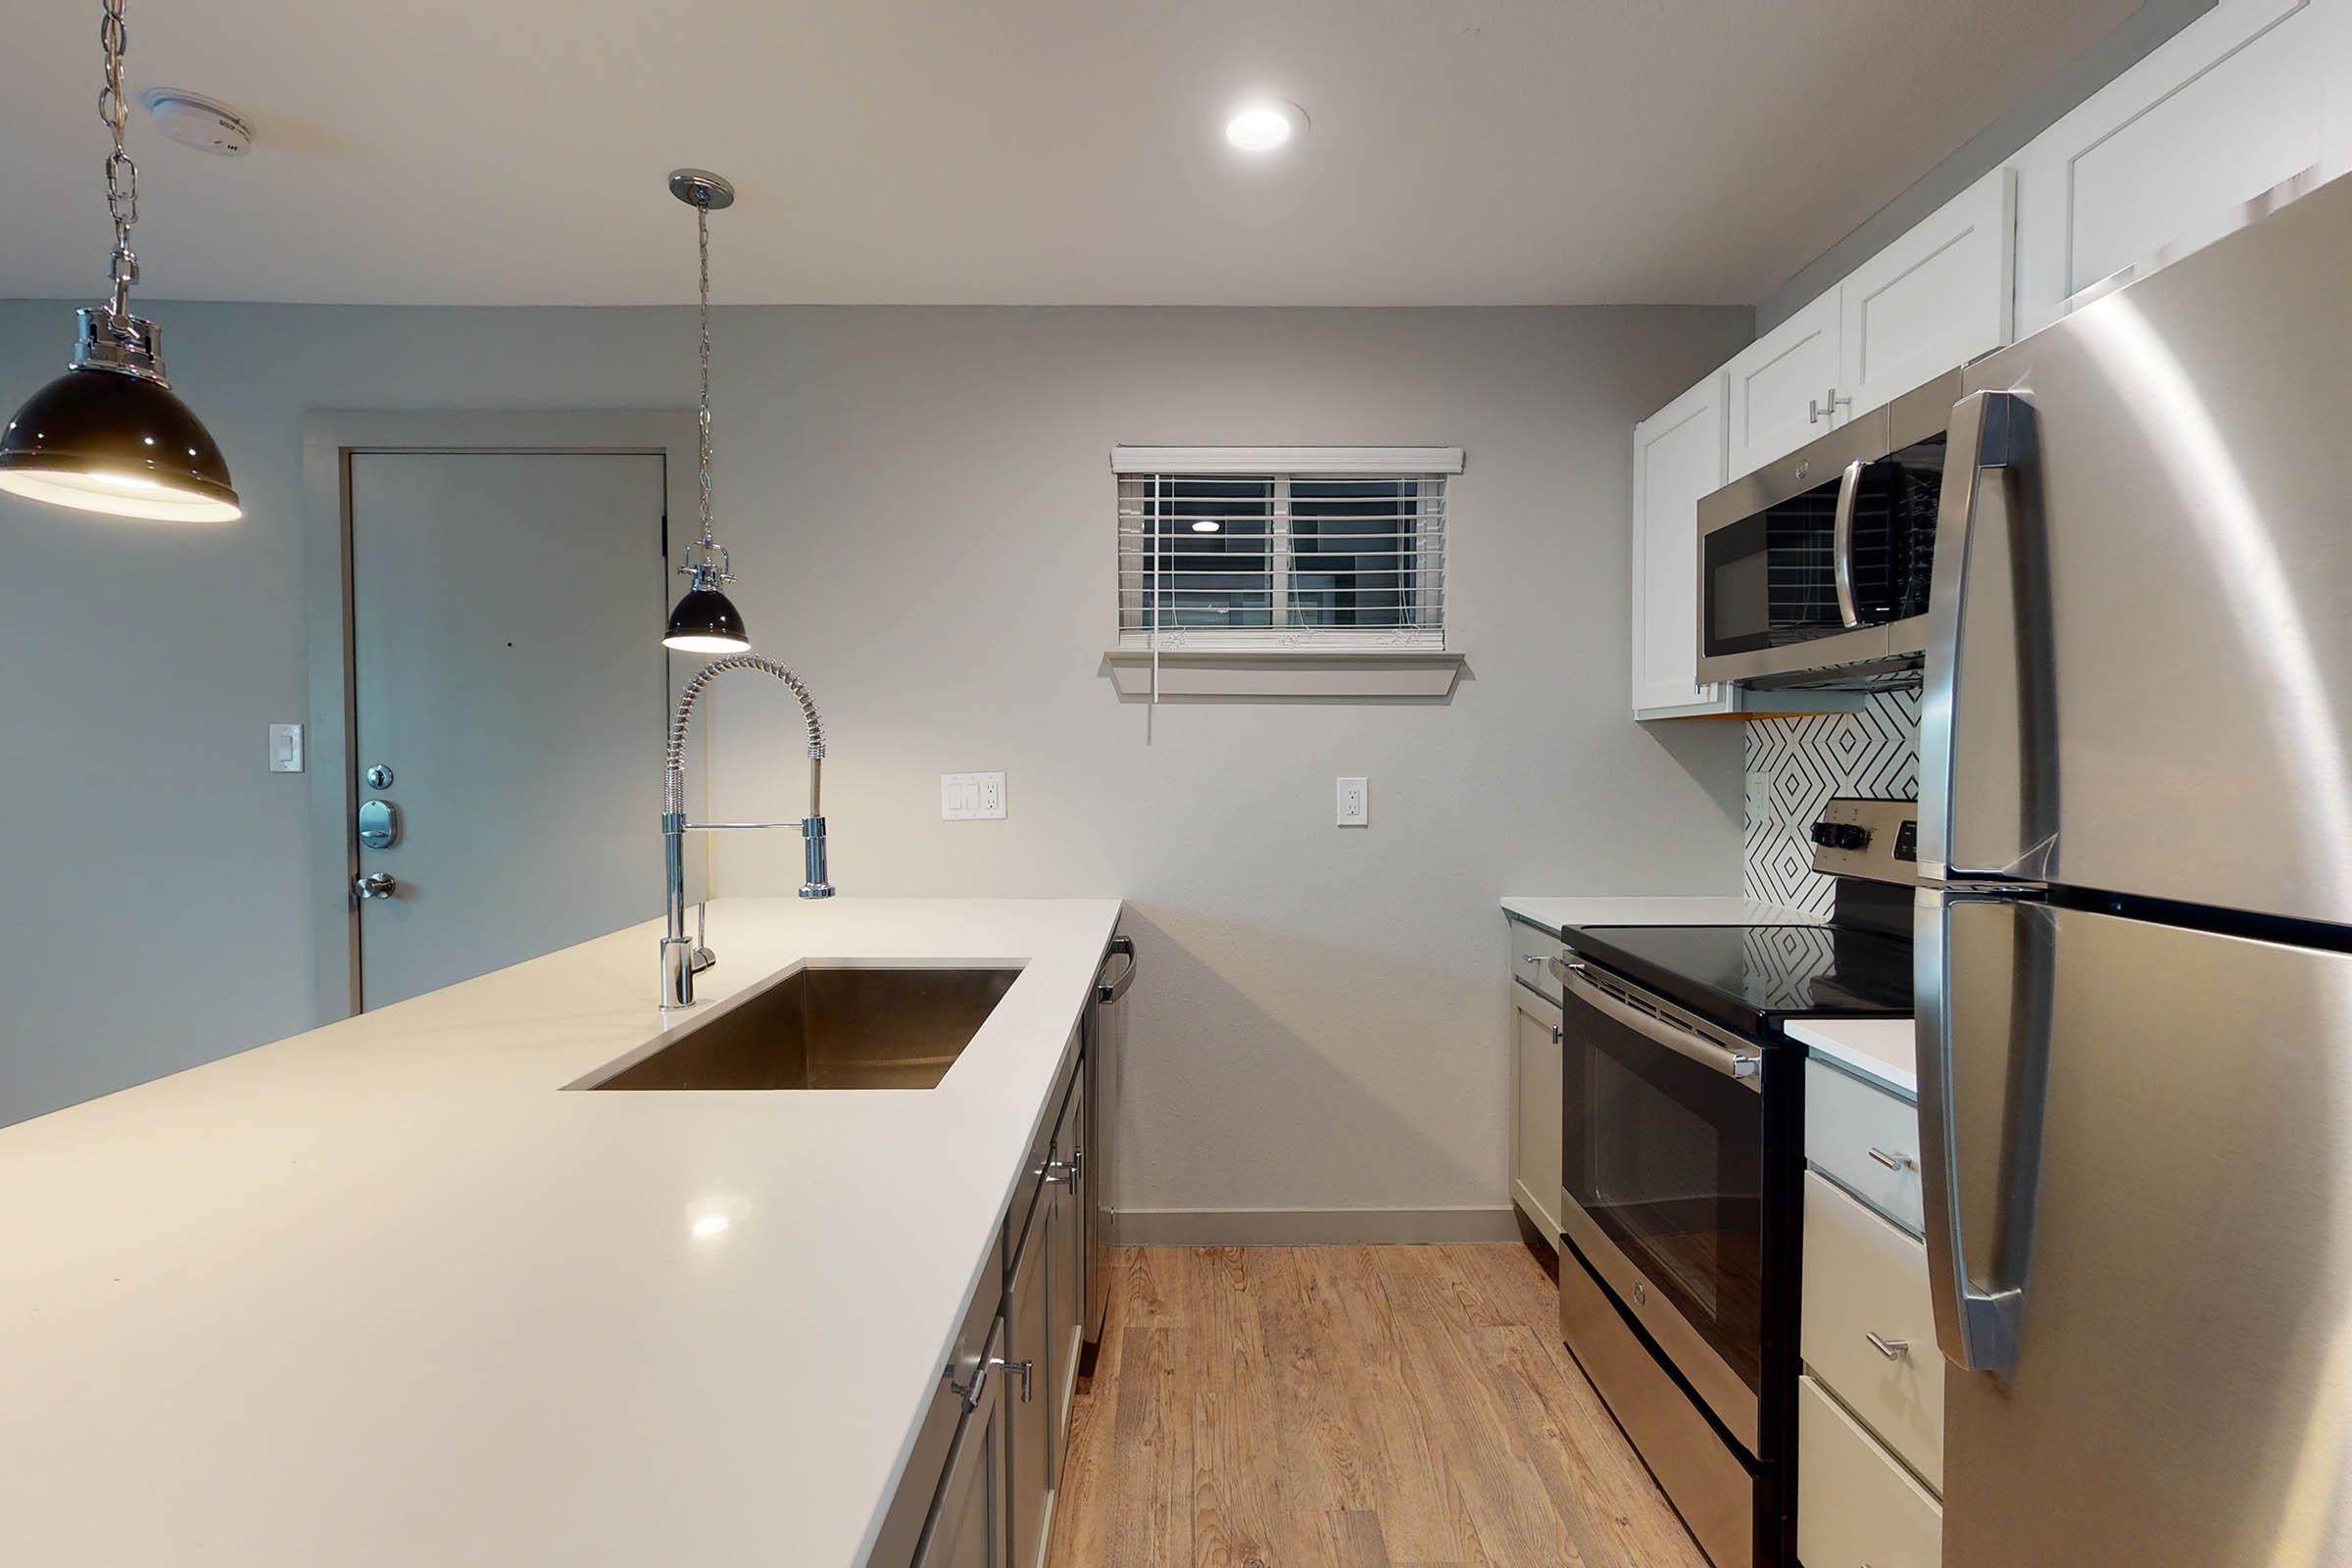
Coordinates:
385 1292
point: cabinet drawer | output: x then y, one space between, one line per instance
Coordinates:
1855 1505
1864 1277
1867 1140
1530 947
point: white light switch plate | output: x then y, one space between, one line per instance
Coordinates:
970 797
1356 803
285 748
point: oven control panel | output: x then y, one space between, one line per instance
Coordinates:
1877 840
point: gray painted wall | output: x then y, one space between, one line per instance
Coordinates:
2028 118
921 507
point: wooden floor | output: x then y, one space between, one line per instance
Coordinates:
1371 1406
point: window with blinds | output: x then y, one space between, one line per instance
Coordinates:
1309 557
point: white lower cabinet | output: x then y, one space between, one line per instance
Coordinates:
1856 1509
1870 1326
1870 1409
1536 1091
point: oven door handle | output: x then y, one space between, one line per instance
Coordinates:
1841 543
1746 1068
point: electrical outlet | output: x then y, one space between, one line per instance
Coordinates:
970 797
1356 803
285 748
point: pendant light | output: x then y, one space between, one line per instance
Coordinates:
705 621
109 435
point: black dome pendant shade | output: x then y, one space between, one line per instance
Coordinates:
706 622
109 435
105 440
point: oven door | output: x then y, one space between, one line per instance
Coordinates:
1663 1166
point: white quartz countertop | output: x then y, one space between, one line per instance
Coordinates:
1880 1049
1556 914
385 1292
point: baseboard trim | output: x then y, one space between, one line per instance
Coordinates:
1312 1227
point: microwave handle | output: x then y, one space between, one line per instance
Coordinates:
1841 543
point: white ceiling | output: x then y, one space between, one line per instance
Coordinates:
1009 151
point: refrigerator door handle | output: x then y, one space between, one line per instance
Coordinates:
1981 1105
1985 576
1841 543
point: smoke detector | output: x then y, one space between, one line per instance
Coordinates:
194 120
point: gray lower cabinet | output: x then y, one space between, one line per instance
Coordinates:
1029 1338
966 1528
1068 1197
981 1482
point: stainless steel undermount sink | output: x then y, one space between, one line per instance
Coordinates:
825 1027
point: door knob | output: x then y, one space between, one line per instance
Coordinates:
376 885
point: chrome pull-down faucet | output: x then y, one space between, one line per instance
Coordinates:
683 957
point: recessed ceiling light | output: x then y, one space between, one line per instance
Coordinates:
1263 126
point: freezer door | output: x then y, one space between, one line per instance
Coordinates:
2180 1390
2138 675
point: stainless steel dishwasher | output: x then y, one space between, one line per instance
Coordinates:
1105 1043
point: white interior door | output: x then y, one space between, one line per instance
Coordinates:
507 670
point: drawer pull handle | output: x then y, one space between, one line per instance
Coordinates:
1892 1350
1894 1161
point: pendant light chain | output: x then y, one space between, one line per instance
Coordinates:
122 174
701 235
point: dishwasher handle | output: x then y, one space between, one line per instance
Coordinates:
1120 948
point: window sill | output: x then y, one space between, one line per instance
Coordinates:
1293 672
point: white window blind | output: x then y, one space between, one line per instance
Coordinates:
1283 548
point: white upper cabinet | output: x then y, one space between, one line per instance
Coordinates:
1936 298
1678 458
2251 93
1782 387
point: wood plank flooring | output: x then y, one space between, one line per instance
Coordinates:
1354 1406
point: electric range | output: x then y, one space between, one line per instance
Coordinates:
1683 1159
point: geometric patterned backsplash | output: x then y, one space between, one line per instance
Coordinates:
1794 765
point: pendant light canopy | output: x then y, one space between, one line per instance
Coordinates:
705 621
109 435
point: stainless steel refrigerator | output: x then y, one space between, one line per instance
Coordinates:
2135 944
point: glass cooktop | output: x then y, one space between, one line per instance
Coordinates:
1745 975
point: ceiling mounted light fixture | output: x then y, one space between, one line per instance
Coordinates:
1263 125
109 435
705 620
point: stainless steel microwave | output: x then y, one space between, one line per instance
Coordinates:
1814 570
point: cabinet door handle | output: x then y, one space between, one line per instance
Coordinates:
1061 1173
1894 1161
1556 1036
999 1363
1825 407
1892 1350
